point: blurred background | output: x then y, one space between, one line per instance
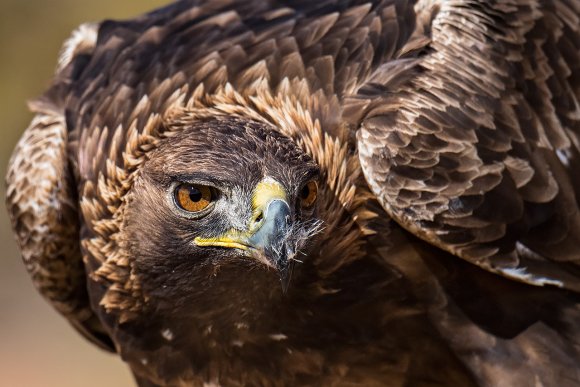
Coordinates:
37 347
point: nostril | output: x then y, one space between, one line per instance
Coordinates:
259 217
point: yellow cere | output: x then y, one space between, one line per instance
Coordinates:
266 191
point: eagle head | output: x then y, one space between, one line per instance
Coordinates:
216 201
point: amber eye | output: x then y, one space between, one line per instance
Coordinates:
193 197
308 194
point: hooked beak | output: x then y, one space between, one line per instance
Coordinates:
267 237
270 239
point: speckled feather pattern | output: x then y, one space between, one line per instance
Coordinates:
456 121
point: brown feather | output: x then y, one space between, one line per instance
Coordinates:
494 82
466 117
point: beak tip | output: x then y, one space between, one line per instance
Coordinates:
286 276
285 285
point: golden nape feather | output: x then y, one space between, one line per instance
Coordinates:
314 192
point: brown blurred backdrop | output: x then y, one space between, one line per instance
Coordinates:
37 347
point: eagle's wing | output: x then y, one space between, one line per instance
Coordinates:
470 138
42 204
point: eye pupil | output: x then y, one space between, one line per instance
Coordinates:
305 192
194 194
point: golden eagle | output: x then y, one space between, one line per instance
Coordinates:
323 192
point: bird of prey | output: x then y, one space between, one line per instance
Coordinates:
329 192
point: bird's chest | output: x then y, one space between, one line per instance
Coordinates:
290 339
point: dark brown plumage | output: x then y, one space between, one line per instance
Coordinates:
184 163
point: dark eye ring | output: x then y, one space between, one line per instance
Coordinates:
193 197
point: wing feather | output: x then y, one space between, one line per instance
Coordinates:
42 204
485 116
